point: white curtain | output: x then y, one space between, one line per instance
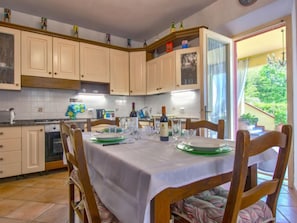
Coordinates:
242 70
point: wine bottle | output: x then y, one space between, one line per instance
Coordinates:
133 113
133 118
164 136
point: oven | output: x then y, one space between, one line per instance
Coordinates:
53 147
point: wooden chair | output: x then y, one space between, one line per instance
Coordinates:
88 205
103 122
204 124
238 203
75 196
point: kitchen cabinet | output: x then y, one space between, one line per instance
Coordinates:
46 56
33 149
10 151
187 69
10 65
119 72
138 73
161 74
94 63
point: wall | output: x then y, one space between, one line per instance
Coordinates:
34 103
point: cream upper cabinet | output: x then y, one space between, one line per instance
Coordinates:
46 56
161 74
33 149
119 72
187 68
153 71
10 65
94 63
138 73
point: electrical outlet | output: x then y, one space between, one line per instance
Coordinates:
40 109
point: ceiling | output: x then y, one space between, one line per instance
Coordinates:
138 20
262 43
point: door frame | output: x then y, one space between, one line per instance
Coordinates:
287 23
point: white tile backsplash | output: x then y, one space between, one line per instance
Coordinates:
53 103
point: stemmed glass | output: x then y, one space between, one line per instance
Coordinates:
176 129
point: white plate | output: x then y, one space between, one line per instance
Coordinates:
202 143
109 136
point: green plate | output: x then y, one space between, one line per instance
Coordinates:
108 138
208 151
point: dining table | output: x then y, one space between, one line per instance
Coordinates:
138 180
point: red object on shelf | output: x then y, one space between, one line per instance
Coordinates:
169 46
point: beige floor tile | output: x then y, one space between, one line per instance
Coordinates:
9 190
29 210
56 214
53 196
7 206
28 193
8 220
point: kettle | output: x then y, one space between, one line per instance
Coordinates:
12 115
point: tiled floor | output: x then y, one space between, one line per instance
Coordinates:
43 198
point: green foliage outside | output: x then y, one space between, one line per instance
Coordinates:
266 89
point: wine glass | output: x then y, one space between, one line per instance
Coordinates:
176 129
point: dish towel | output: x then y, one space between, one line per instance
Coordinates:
74 109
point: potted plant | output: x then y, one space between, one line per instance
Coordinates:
248 120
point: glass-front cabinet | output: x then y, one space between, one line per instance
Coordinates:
9 59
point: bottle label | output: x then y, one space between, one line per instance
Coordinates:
164 129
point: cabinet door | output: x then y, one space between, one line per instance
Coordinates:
138 73
167 76
33 149
65 59
119 72
10 66
153 72
187 69
94 63
36 55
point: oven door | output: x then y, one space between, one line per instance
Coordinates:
53 147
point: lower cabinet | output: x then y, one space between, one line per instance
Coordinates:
33 151
10 151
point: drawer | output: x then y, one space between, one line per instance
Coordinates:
10 157
10 132
12 169
10 144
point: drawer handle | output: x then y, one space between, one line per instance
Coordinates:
1 159
1 171
1 133
1 146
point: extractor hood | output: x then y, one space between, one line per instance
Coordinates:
94 88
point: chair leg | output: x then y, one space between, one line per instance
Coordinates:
71 201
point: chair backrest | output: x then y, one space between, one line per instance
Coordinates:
245 147
78 161
104 122
204 124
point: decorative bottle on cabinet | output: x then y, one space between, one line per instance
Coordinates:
164 136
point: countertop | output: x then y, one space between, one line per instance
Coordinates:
18 123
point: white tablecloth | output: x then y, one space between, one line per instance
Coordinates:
128 176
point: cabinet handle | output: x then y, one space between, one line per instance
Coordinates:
1 146
1 133
82 75
55 73
111 90
1 171
41 130
17 84
177 85
1 159
49 72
